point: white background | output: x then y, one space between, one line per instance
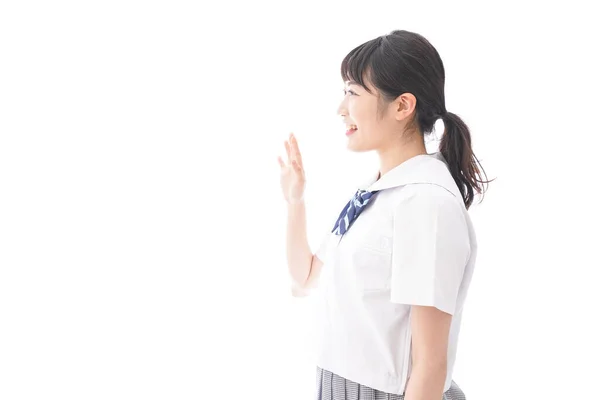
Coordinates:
141 220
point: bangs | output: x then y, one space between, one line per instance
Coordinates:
357 65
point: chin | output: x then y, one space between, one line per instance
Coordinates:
357 150
356 146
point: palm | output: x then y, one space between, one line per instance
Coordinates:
292 172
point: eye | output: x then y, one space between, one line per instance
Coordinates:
351 92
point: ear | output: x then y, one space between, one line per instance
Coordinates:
404 106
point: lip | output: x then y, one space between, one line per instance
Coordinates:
350 131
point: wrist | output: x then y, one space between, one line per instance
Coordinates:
295 203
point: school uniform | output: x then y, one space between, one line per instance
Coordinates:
412 244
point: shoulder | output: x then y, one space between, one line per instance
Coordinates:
428 197
431 222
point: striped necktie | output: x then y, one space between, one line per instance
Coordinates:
352 210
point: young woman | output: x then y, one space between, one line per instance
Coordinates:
395 270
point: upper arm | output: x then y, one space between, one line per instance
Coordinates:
317 261
312 280
315 272
316 266
431 249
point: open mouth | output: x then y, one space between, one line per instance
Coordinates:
350 129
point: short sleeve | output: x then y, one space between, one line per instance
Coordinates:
431 248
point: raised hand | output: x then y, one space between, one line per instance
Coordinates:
293 180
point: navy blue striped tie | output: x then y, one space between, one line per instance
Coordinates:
352 210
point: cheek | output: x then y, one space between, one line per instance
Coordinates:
361 113
353 110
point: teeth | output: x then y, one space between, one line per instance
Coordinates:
352 127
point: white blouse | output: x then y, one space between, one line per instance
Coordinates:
414 244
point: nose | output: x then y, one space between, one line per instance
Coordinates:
342 108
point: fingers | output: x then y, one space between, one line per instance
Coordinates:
288 150
294 158
296 151
297 168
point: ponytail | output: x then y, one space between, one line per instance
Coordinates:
405 62
465 168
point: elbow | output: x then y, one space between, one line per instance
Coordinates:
300 282
299 291
300 286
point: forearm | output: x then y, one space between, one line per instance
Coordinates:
299 255
426 382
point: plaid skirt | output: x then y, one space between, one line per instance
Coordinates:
333 387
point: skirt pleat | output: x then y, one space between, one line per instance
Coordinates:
331 386
351 390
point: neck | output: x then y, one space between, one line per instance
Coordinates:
392 156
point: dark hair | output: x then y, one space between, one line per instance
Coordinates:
405 62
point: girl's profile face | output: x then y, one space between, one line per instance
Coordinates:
369 125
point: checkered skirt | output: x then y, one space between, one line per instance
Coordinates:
333 387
